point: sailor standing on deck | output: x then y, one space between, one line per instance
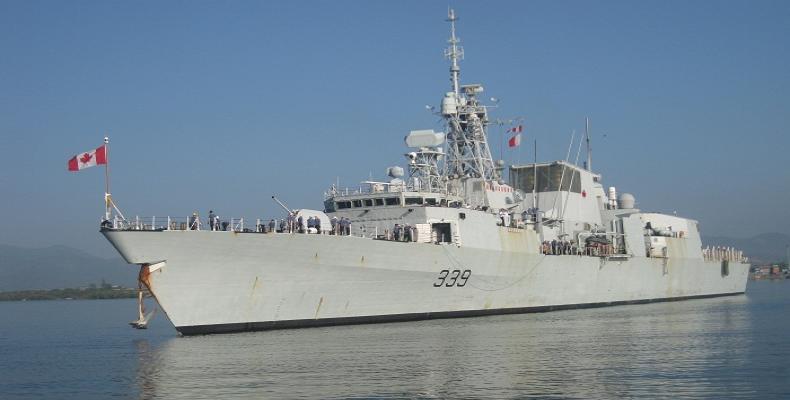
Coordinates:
300 224
333 222
290 226
272 225
211 219
345 226
194 221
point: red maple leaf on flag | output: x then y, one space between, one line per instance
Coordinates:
88 159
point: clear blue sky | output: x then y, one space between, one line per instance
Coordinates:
222 104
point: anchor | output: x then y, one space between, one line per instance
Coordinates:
142 317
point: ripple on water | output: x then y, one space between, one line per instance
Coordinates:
710 348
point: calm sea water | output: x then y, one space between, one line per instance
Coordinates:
735 347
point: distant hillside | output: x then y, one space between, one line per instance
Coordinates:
59 267
763 248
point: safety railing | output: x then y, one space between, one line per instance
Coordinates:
721 253
194 223
190 223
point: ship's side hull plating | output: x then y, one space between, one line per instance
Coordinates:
210 282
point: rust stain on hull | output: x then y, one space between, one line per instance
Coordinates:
317 309
145 276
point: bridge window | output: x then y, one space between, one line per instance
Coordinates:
392 201
356 203
368 202
343 204
413 201
379 202
430 201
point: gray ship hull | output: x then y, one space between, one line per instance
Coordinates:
213 282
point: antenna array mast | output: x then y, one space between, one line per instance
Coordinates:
468 153
588 164
454 52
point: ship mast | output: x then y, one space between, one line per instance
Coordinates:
454 53
468 153
588 164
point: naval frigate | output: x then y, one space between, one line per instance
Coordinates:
449 236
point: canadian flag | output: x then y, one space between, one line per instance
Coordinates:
514 141
516 129
89 159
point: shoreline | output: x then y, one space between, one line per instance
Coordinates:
100 293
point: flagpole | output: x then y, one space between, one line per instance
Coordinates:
535 178
501 145
107 178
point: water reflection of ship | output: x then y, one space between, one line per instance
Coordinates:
635 351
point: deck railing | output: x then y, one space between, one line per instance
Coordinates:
169 223
191 223
720 253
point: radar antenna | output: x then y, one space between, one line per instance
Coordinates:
454 52
468 153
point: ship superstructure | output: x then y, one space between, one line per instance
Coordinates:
448 238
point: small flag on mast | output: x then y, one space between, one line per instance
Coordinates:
516 139
88 159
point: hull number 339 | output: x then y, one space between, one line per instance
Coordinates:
456 277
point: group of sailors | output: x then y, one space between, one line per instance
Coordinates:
340 226
566 247
403 233
213 222
298 224
509 219
559 247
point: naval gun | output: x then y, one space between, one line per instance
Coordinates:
288 210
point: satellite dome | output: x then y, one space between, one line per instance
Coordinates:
395 172
626 200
